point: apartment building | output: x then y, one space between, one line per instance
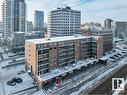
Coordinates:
99 31
7 17
16 42
13 16
120 29
38 20
46 58
107 37
63 21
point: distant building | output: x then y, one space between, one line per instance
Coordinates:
38 20
120 29
13 16
29 26
107 23
63 21
16 41
99 31
43 56
19 15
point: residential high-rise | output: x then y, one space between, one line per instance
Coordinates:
107 34
63 22
14 14
107 23
8 17
38 20
19 15
120 29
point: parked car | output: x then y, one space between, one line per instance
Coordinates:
11 83
18 80
112 57
116 55
123 52
119 54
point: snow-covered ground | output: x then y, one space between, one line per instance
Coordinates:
1 50
97 80
5 55
7 74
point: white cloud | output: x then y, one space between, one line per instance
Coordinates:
99 10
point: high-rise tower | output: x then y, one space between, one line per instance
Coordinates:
63 21
13 16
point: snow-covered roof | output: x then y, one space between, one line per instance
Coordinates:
58 39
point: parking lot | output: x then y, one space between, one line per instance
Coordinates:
8 76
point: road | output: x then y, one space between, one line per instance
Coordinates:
106 78
75 80
11 58
94 74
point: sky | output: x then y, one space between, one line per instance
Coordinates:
91 10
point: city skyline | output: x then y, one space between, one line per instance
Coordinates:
91 10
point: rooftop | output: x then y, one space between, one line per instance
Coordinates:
64 8
58 39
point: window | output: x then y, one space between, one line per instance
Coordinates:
45 45
46 71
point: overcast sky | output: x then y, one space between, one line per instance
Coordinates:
91 10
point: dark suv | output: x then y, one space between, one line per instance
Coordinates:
11 83
18 80
14 80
